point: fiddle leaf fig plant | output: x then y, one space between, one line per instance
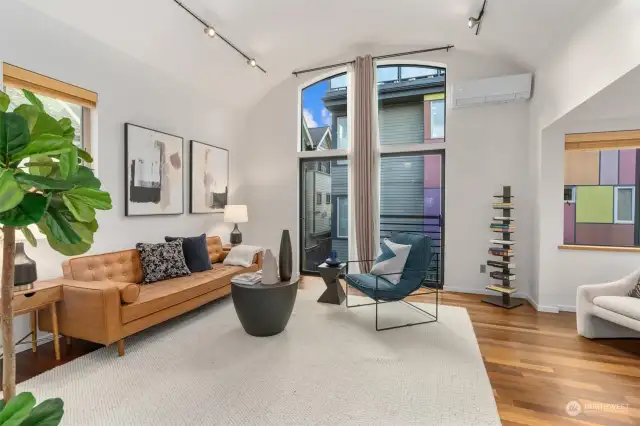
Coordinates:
44 181
22 410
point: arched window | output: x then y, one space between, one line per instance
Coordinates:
324 114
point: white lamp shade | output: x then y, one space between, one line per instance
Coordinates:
236 213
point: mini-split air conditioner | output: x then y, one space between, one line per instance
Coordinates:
494 90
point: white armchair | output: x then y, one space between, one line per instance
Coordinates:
605 310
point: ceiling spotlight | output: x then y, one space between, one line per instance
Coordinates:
476 22
210 32
252 63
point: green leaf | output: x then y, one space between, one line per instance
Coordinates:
84 155
40 165
28 235
68 132
66 249
45 145
29 113
83 230
33 99
92 226
60 228
42 182
14 135
17 409
85 178
95 198
46 125
80 211
4 101
29 211
10 192
47 413
69 163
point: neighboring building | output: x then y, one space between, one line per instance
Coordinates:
411 111
317 193
600 197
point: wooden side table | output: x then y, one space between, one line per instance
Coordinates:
43 295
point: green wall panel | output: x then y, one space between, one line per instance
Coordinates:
594 204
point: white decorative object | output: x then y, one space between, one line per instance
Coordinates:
269 269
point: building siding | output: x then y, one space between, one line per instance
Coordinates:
401 124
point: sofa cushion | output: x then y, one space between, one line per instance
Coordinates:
366 283
123 266
214 246
167 293
195 251
162 261
623 305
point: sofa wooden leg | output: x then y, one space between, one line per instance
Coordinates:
121 347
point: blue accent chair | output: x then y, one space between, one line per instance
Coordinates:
414 277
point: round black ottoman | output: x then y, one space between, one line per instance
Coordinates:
264 310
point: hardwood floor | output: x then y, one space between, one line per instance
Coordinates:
536 362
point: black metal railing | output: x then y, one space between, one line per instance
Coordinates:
425 225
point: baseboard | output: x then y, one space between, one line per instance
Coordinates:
516 295
539 308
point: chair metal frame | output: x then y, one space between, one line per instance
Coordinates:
378 301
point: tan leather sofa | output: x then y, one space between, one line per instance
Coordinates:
103 302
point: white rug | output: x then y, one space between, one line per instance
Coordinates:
329 367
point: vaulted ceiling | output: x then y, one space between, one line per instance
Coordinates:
284 35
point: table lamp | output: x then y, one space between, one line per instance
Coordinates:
236 214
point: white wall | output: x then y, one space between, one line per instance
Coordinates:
486 148
562 271
128 91
600 52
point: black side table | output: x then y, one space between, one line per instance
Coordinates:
264 310
334 293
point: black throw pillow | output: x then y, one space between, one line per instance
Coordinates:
635 292
196 252
162 261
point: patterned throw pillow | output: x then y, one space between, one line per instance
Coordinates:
162 261
635 292
391 260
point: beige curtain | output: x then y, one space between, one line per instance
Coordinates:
364 171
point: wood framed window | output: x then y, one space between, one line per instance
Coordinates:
60 99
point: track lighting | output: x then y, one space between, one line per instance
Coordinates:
476 22
210 32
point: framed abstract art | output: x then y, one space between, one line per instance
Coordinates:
209 178
154 172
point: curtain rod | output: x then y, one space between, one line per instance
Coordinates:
393 55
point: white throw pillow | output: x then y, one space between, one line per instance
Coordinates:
391 259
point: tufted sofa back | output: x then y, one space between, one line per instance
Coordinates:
121 266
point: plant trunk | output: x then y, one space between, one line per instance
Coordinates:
6 313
